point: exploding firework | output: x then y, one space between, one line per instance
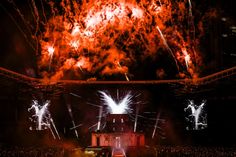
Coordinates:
197 115
101 38
121 107
42 117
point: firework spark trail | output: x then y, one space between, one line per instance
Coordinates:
18 27
96 30
148 122
191 28
35 15
136 118
41 114
117 108
54 137
156 125
76 126
75 95
98 124
167 46
26 23
111 32
190 8
186 57
29 28
92 126
54 126
43 10
50 50
126 75
99 118
191 20
72 119
196 112
43 118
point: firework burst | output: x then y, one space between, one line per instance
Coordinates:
102 38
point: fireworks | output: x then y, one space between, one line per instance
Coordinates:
121 107
99 118
186 57
50 51
42 117
197 116
100 38
156 125
72 118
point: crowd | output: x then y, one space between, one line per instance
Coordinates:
31 151
194 151
158 151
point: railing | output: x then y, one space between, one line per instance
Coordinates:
41 82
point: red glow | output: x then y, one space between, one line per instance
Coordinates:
100 35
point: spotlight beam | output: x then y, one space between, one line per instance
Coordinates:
75 127
136 118
155 126
72 118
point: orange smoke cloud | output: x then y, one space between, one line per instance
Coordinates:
107 37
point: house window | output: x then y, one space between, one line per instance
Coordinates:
114 120
122 120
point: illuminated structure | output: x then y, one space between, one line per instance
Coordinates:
118 133
216 88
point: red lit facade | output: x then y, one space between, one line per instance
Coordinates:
118 133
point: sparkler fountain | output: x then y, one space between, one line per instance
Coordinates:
42 117
199 119
122 107
72 119
118 132
136 118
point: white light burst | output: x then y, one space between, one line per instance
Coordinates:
120 107
41 115
197 116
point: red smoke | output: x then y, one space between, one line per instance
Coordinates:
106 37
